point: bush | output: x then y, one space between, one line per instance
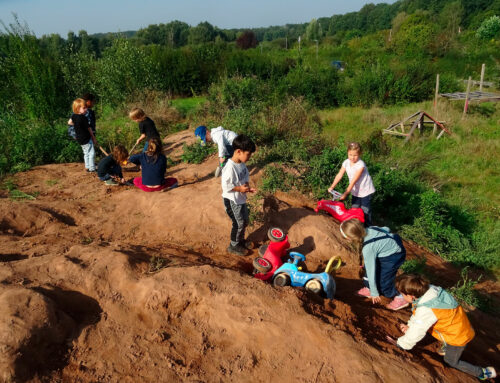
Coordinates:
489 29
319 86
196 153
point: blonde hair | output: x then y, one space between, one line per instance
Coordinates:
120 154
412 284
137 114
77 104
355 231
354 146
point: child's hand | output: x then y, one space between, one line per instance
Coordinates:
252 190
343 196
330 189
403 328
391 340
376 300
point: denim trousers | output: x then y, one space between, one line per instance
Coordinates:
365 204
385 274
452 357
89 155
115 171
239 218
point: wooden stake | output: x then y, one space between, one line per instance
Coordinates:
483 67
436 96
466 105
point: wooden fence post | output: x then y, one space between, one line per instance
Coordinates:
436 96
483 67
466 105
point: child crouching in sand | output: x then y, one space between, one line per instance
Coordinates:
109 167
434 308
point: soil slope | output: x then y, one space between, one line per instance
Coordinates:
80 303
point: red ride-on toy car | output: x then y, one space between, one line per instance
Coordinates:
338 210
271 255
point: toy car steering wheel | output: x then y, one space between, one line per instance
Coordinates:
330 267
297 257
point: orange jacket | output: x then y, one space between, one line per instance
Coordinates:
438 310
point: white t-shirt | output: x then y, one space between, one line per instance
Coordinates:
364 186
223 138
234 174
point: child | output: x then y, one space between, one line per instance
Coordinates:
382 253
84 135
360 182
435 308
224 140
89 102
235 185
147 127
109 167
154 165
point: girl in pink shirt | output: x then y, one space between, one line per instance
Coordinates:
360 183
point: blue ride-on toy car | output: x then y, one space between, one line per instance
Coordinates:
290 274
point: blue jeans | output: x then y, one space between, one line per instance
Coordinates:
115 171
385 273
365 204
239 218
89 155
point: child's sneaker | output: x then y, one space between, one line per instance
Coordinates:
238 250
249 245
442 350
111 182
364 292
397 303
488 373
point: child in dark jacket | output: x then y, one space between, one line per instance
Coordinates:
147 127
110 166
153 165
84 135
435 309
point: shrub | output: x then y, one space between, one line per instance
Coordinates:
196 153
489 29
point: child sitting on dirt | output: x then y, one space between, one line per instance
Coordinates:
360 182
224 140
109 167
84 135
435 308
154 165
147 127
382 253
235 185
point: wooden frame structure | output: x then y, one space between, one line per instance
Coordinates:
407 127
473 96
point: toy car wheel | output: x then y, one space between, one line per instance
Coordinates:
314 286
262 265
262 250
275 234
281 280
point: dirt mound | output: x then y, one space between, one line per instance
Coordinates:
80 302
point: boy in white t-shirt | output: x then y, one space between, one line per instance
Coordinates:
360 182
235 185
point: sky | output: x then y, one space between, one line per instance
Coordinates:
94 16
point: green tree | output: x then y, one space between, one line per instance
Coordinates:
313 30
489 29
203 33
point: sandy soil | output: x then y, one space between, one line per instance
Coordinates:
80 304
